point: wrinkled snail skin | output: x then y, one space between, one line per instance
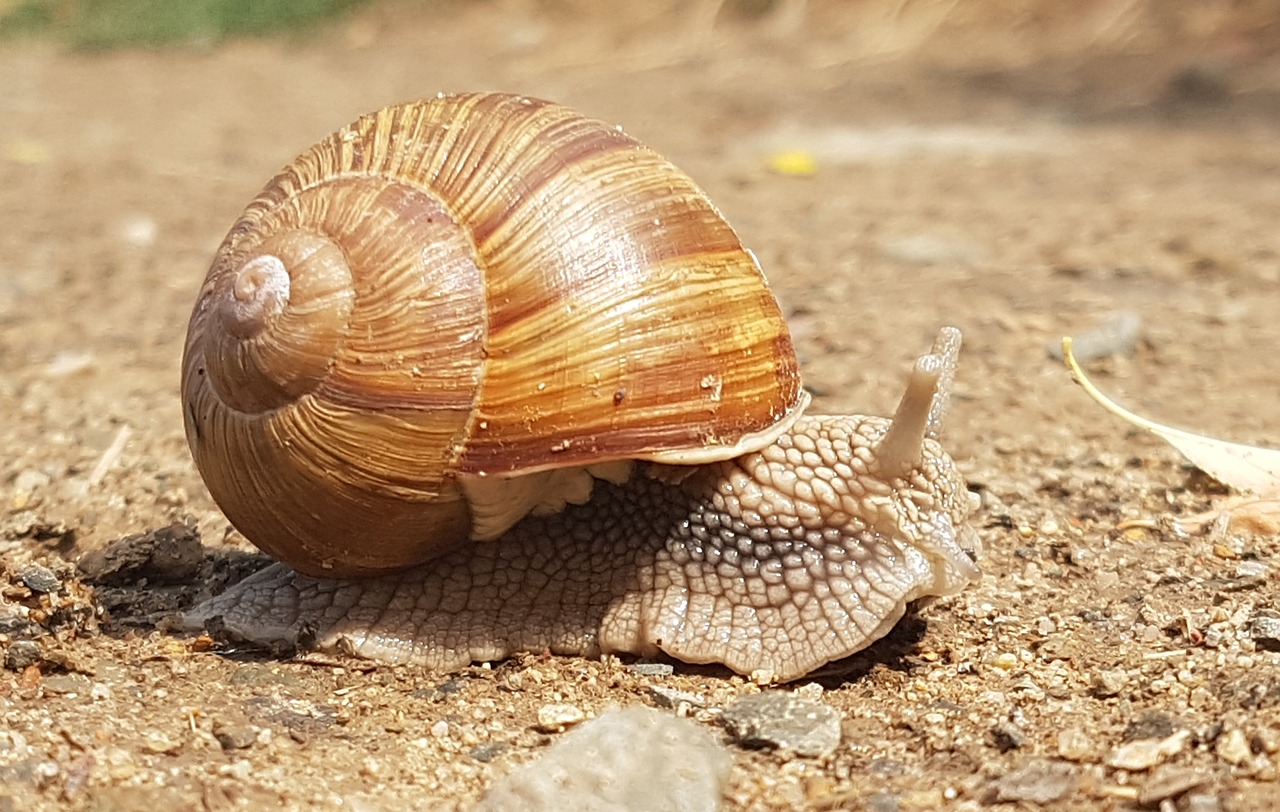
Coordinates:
490 377
728 565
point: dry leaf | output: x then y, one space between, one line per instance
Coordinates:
1242 467
1243 513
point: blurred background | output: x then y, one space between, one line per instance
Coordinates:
1101 52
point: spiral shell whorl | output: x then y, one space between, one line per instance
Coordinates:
258 293
278 319
324 423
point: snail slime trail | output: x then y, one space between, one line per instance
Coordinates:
384 389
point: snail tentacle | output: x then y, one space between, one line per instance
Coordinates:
923 406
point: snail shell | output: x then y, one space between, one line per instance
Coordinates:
453 312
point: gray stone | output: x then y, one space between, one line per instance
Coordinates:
1143 754
39 578
883 802
1264 628
488 751
1169 782
652 669
777 719
21 654
1108 683
1151 725
665 697
1201 802
168 555
65 684
625 760
234 735
1007 736
1042 782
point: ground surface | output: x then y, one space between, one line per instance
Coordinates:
1021 182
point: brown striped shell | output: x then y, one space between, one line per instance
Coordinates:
434 307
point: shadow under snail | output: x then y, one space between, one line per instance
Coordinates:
488 376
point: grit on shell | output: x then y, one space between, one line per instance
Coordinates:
1019 185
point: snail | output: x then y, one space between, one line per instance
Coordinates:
488 376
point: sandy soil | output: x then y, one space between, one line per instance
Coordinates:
1020 180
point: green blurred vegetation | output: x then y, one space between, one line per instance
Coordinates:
103 24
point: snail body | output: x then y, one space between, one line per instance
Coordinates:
512 370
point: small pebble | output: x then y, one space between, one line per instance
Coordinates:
25 487
29 479
1108 683
1200 802
883 802
652 669
1169 782
555 718
886 766
1005 661
158 743
173 497
68 363
1042 782
1223 551
21 654
1268 741
778 719
1144 754
234 735
488 751
1233 748
1264 628
1248 575
1150 725
240 770
1007 736
1084 557
665 697
67 684
1075 745
39 578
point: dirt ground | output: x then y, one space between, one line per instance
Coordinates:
1018 172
